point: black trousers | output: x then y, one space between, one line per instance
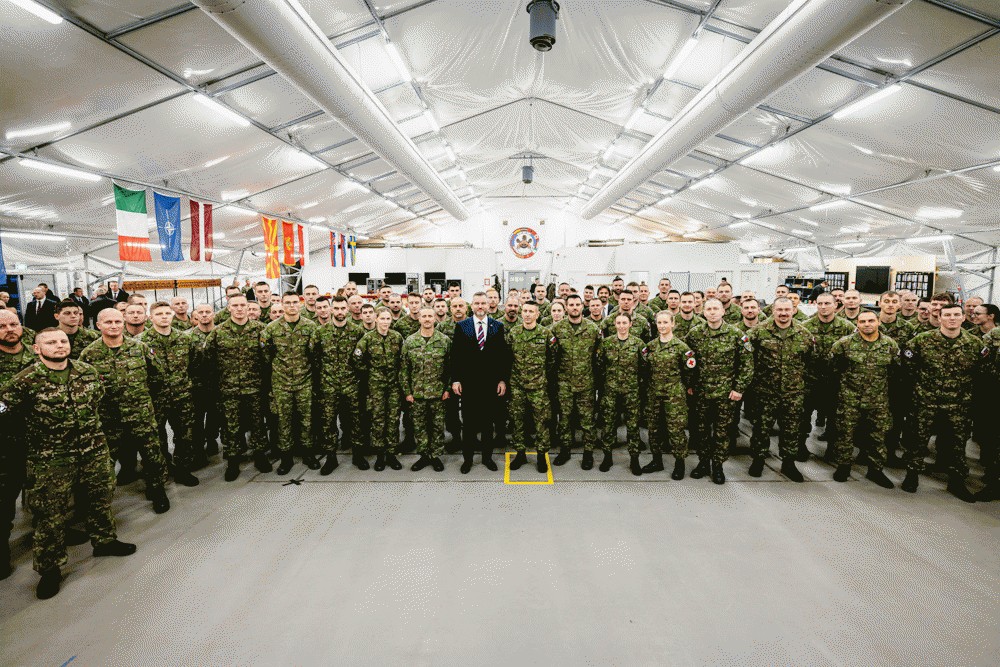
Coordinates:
481 412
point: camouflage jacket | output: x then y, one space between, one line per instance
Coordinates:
61 419
534 356
447 327
182 325
308 314
424 373
289 349
236 355
334 350
507 324
79 341
12 364
377 357
657 303
406 326
683 327
221 316
912 318
865 369
639 328
782 357
671 367
202 377
725 360
576 348
899 330
175 352
733 314
620 365
825 334
129 374
944 369
991 366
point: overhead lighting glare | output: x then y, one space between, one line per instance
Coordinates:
938 213
877 96
221 109
59 169
739 225
809 222
676 63
315 160
309 205
33 236
828 204
317 219
36 131
804 249
664 200
609 152
433 122
634 118
938 238
848 246
41 12
450 153
397 60
996 168
804 232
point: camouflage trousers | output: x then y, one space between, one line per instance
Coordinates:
137 432
714 417
178 411
242 413
851 413
12 466
428 426
620 407
383 408
207 420
294 410
50 486
533 404
333 406
787 410
749 406
671 411
581 402
953 425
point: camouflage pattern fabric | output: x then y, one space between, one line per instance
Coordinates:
576 347
425 376
619 366
533 354
672 368
377 358
337 385
289 350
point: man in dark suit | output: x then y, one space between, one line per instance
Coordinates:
100 302
480 367
116 295
40 313
80 299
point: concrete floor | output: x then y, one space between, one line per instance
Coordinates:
441 568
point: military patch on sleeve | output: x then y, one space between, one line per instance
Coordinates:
908 354
553 341
745 339
3 407
985 351
357 352
691 363
645 351
689 353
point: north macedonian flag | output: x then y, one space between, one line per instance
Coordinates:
133 233
271 247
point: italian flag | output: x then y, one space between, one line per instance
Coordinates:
133 234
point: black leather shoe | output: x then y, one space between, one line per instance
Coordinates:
588 461
876 475
286 464
184 478
379 462
756 467
561 458
910 482
678 472
466 465
789 470
519 460
76 537
802 455
488 460
161 503
360 462
843 473
330 464
211 448
437 464
125 477
718 474
606 462
262 463
48 585
988 493
310 462
232 471
703 468
894 461
541 464
957 488
655 465
114 548
421 463
393 462
633 464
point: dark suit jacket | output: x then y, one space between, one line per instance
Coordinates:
99 304
480 370
39 317
122 296
84 304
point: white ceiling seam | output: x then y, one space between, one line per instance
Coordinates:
804 35
307 59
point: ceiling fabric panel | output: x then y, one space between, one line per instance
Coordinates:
110 14
974 74
271 101
754 14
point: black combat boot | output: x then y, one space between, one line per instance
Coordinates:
114 548
287 461
233 470
654 465
541 464
987 494
5 566
161 503
703 468
360 462
437 464
185 478
678 472
876 475
789 470
126 476
261 462
48 585
392 461
519 460
756 467
379 461
894 461
588 461
842 473
606 462
633 464
488 461
75 536
802 455
310 462
467 462
718 474
421 463
957 488
562 457
910 482
330 464
211 448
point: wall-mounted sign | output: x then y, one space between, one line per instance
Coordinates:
524 242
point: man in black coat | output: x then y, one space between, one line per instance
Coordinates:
480 368
80 299
115 294
40 313
100 302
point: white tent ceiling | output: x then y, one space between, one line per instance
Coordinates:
111 90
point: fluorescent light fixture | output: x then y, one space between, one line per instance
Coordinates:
868 100
433 122
397 60
212 163
221 251
930 239
315 160
938 212
702 183
749 202
804 249
848 246
864 150
309 205
450 153
682 55
611 150
996 168
739 225
36 131
804 232
60 170
233 195
809 222
664 200
362 237
32 236
41 12
221 109
318 218
242 209
828 204
634 118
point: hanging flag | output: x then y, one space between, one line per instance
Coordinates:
271 247
343 250
3 268
130 213
352 244
201 231
168 226
333 248
302 245
288 238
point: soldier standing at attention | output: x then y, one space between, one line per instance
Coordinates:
58 401
908 302
783 349
900 389
425 380
544 307
135 320
595 311
172 400
865 362
533 350
337 390
262 292
377 355
780 292
69 316
181 319
576 346
440 307
233 350
990 446
671 367
626 305
452 419
750 309
127 368
204 388
685 317
619 367
223 314
726 368
309 295
797 314
852 306
659 302
288 348
510 317
724 293
943 364
409 323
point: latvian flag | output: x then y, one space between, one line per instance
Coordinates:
201 231
133 233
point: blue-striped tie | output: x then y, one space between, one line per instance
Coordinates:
482 335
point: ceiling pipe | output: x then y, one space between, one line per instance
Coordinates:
283 35
801 37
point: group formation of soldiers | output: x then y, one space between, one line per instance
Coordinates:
316 375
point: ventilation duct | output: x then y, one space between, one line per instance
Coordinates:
543 15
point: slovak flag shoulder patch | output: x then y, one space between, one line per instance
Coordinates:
689 353
985 351
745 339
553 340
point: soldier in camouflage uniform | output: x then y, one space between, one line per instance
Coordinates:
533 358
908 302
135 320
685 319
990 445
659 302
576 346
309 295
865 362
510 317
595 311
671 367
783 352
224 314
726 369
407 325
619 366
58 402
639 324
15 356
797 314
172 400
204 388
69 315
127 368
289 349
544 307
337 387
233 349
821 381
852 306
182 321
377 358
262 292
425 384
452 418
900 388
943 364
733 314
